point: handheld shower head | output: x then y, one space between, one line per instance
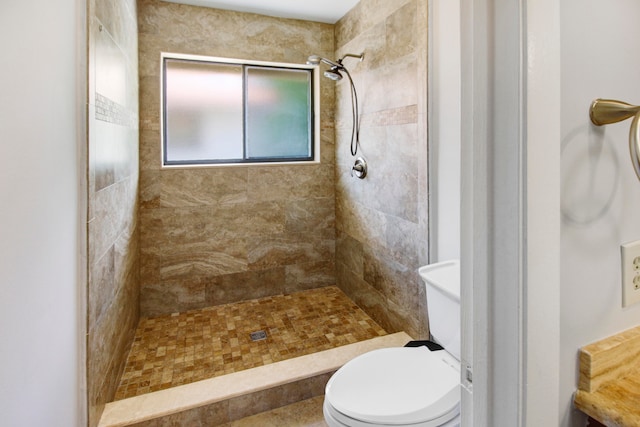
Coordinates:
333 74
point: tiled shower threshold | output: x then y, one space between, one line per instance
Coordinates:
204 365
161 403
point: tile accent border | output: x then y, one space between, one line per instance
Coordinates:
111 112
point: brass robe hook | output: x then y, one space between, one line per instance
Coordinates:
607 111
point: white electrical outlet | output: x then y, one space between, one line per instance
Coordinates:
630 273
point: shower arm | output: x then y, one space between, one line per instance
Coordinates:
351 55
608 111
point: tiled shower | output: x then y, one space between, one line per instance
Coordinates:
172 240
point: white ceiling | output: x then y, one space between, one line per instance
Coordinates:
328 11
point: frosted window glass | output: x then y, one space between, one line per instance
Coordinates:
231 111
279 109
204 111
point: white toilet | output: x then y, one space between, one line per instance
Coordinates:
406 386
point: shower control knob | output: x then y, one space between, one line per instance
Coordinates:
359 169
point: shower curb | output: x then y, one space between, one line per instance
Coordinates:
241 394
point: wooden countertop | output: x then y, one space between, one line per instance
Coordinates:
609 385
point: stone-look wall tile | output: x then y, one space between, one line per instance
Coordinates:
309 275
406 319
348 187
401 32
236 287
373 43
119 19
104 172
403 241
150 113
113 262
290 182
218 32
311 216
365 14
388 87
102 277
200 260
165 297
150 156
222 234
149 189
196 187
275 250
364 295
107 223
108 343
390 316
362 222
350 253
392 186
392 279
382 221
150 260
208 223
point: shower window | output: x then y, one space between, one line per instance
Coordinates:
220 111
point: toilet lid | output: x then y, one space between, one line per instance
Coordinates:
395 386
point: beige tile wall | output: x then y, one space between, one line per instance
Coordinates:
113 283
218 235
381 221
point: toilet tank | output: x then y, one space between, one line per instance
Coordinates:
442 281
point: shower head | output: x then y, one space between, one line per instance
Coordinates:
336 67
333 74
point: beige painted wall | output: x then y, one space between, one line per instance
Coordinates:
113 191
217 235
382 233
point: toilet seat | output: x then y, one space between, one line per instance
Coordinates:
335 419
395 386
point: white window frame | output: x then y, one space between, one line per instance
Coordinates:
315 114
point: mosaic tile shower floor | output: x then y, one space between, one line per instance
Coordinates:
181 348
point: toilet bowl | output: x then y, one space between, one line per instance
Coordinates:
406 386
